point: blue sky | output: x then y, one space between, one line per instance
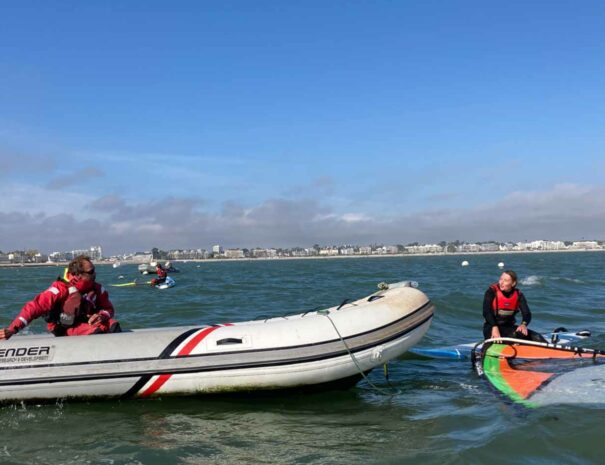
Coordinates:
260 123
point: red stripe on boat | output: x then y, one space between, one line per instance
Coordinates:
186 350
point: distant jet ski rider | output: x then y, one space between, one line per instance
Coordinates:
502 301
162 275
74 305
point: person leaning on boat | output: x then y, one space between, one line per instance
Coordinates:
502 301
74 305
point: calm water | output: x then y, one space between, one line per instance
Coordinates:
440 412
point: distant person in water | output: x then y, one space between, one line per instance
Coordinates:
162 275
501 303
74 305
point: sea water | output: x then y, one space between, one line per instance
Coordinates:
437 412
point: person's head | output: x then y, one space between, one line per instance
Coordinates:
82 272
159 266
507 281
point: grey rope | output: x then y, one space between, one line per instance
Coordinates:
326 313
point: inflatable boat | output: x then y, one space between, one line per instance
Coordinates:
316 349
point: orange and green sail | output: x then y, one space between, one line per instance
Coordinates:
519 369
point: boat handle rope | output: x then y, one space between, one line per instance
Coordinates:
326 313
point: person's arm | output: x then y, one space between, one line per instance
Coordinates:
525 314
40 305
488 312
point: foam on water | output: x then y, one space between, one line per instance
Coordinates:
532 280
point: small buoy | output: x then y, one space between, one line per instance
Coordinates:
464 263
121 276
501 265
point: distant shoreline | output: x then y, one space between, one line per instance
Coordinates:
316 257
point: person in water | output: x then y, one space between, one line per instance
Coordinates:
162 275
74 305
501 303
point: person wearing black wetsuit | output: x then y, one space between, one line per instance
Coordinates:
501 302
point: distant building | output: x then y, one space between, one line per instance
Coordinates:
96 253
234 253
469 248
328 251
424 248
217 249
586 245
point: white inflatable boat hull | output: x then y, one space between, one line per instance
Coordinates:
279 353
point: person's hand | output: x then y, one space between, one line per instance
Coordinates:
496 333
98 318
522 329
5 333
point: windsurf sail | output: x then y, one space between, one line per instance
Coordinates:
535 374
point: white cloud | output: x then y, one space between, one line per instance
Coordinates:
566 211
30 198
355 217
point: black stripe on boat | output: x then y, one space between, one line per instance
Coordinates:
165 354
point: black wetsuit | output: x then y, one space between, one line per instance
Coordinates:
507 325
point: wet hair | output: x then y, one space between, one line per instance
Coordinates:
76 266
513 275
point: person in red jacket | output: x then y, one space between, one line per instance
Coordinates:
74 305
501 303
162 275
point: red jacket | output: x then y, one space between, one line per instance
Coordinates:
507 305
162 273
54 297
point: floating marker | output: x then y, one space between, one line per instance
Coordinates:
464 263
501 265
